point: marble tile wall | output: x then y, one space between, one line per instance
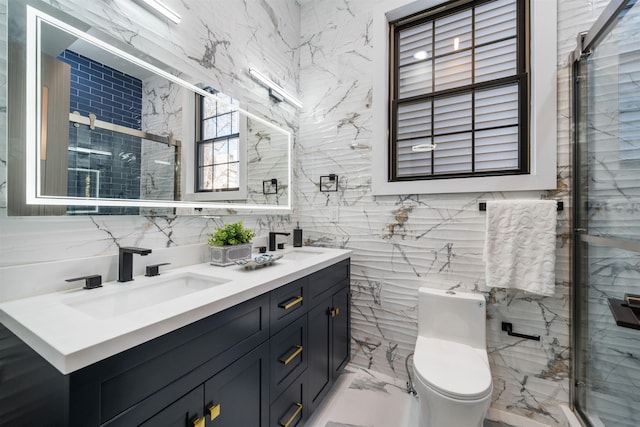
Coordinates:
404 242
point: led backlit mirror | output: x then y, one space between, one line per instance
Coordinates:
96 130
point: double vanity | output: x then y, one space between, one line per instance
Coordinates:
195 346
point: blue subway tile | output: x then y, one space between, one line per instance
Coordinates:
92 71
89 83
80 88
101 93
111 103
79 59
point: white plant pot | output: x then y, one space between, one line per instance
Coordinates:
228 255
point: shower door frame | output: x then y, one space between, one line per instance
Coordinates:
587 41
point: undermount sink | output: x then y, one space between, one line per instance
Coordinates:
301 253
131 296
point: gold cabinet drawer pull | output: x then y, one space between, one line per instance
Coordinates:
199 422
214 411
293 417
334 312
287 305
292 356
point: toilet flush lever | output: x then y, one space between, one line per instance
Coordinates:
508 328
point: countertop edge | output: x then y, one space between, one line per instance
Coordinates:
83 357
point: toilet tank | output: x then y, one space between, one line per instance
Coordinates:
452 316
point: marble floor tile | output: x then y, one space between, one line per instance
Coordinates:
363 398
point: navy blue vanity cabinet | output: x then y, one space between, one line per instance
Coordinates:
268 361
328 343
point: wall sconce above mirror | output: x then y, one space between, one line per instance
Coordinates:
276 92
94 129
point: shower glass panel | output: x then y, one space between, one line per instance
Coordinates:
607 221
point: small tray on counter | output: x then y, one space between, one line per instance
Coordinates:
261 260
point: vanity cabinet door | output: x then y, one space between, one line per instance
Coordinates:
319 373
329 344
184 412
239 394
340 331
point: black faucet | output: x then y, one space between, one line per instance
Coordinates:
125 262
272 239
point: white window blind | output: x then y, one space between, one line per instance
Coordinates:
458 105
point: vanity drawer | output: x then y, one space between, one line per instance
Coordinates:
322 282
287 410
288 303
288 355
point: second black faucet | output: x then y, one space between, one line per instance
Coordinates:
272 239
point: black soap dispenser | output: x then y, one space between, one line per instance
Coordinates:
297 236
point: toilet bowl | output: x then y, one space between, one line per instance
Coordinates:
451 366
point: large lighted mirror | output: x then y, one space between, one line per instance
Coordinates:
94 129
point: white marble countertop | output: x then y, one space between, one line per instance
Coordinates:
71 339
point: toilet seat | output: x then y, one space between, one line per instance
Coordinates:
455 370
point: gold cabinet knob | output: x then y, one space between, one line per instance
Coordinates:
214 411
199 422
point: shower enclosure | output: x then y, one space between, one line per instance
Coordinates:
606 105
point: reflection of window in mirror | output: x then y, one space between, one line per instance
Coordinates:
220 134
218 146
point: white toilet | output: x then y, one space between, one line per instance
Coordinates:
451 366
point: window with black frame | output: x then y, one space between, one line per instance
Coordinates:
459 101
218 147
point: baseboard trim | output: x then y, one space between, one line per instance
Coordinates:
573 420
512 419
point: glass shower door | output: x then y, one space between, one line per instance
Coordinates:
607 221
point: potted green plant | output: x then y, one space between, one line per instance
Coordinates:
230 243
